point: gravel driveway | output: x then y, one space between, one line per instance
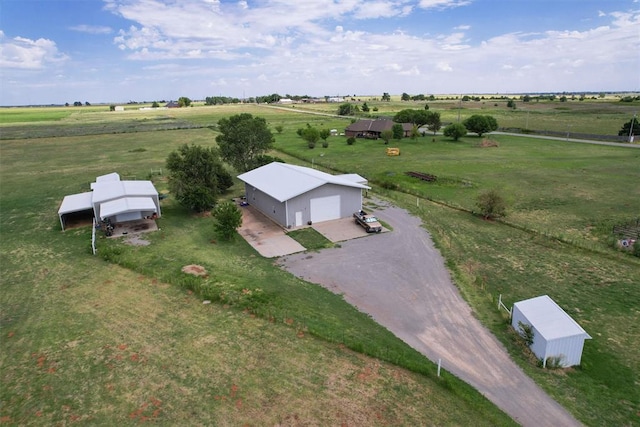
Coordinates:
411 293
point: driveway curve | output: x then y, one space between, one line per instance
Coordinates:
410 292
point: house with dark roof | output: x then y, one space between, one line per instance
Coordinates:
295 195
373 128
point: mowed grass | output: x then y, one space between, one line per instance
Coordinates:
84 340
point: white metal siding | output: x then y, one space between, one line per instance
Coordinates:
128 216
325 208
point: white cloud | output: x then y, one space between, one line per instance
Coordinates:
443 4
91 29
462 27
26 54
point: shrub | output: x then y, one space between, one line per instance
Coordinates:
526 332
491 204
351 140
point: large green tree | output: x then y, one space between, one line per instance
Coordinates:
416 117
480 124
397 130
433 121
243 139
197 176
183 101
347 109
455 131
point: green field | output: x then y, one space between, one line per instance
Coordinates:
77 328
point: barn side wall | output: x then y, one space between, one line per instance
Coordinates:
350 201
266 204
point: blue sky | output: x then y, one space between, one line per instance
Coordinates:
57 51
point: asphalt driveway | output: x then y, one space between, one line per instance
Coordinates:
411 293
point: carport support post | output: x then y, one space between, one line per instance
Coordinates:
439 365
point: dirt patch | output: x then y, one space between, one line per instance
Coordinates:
486 143
196 270
136 240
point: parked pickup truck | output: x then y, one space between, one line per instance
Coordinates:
368 222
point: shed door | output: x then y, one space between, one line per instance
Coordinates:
298 219
325 208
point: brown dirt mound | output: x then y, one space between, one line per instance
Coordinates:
196 270
486 142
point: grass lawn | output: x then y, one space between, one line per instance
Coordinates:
77 328
84 340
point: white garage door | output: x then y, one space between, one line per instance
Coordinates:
325 208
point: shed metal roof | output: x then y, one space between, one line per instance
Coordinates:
76 203
551 321
109 190
284 182
127 204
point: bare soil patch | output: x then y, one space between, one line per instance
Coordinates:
194 269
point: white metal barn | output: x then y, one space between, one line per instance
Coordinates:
556 334
295 195
111 198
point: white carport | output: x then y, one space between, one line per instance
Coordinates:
555 333
75 203
111 198
128 208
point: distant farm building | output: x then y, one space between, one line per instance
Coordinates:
119 108
294 195
112 199
555 333
172 104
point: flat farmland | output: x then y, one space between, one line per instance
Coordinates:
562 199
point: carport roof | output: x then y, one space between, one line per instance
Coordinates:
127 204
76 203
284 182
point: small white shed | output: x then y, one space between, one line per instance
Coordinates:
555 333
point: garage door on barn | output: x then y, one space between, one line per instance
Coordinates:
325 208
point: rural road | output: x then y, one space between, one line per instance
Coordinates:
400 279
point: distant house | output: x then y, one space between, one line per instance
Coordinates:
113 199
285 101
172 104
295 195
119 108
335 99
373 128
555 333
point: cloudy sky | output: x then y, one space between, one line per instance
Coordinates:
57 51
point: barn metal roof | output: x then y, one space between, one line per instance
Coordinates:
284 182
551 321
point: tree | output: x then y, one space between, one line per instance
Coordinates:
627 130
491 204
112 108
416 117
155 104
347 109
511 104
386 135
426 106
480 124
351 140
433 122
183 101
279 129
243 138
397 131
324 134
87 103
365 108
386 96
197 176
311 135
405 97
455 131
415 132
228 219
